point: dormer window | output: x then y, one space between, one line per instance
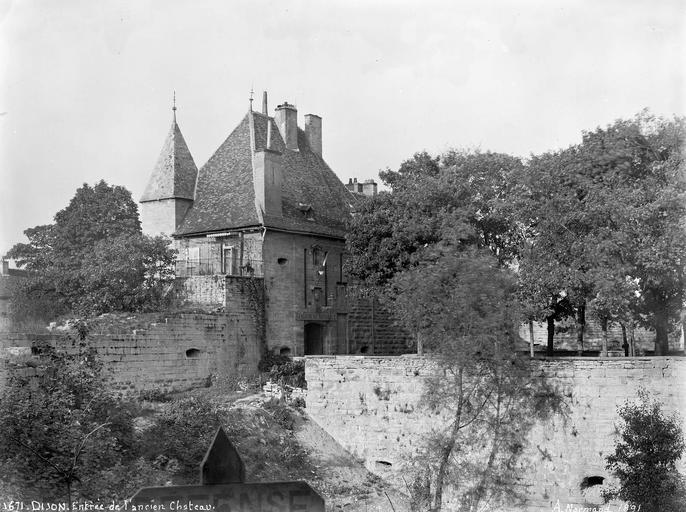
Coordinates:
307 210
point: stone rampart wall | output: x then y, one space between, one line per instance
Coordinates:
372 406
203 290
566 337
179 352
372 329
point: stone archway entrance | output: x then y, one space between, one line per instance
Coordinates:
314 339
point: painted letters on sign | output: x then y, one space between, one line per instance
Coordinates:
257 497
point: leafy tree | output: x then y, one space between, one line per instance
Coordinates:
427 204
460 302
93 259
644 461
422 164
63 431
127 272
552 264
604 226
94 214
637 184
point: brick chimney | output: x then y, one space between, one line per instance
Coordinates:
313 132
369 188
286 118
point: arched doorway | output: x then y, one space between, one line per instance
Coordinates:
314 339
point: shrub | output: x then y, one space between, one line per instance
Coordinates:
271 359
645 456
154 395
290 373
280 412
63 433
298 402
182 433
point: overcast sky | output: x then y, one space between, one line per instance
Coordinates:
86 86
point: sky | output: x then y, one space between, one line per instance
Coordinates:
86 86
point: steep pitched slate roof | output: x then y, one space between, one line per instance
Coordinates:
225 196
175 172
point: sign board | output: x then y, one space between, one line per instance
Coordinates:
314 316
258 497
222 463
223 489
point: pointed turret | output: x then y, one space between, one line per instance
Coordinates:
171 187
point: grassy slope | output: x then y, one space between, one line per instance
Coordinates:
278 442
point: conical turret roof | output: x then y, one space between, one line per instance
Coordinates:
175 172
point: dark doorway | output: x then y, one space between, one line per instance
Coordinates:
314 343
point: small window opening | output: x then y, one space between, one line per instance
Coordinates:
282 261
591 481
193 353
364 349
285 351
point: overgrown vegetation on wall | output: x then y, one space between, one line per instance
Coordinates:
257 298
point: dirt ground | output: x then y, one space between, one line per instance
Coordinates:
342 480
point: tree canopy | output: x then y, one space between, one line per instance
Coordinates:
93 258
597 228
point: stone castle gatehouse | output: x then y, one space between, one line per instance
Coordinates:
266 205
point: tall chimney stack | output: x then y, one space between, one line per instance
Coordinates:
313 132
286 118
264 103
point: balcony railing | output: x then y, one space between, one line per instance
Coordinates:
188 268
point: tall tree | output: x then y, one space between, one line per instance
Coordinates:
93 259
439 245
427 204
638 197
460 300
95 213
604 226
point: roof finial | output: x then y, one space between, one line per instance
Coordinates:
174 105
251 93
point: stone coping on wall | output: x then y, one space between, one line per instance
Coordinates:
543 358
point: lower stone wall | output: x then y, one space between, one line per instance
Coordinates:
373 330
566 337
372 406
204 290
175 353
